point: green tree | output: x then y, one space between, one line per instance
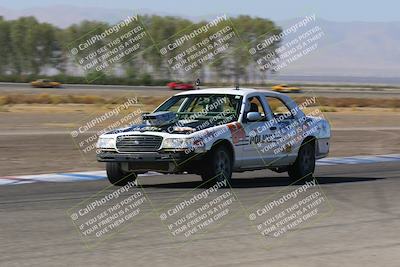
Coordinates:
5 48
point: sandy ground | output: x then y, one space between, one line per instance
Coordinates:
36 138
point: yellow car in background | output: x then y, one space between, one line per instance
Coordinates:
284 88
43 83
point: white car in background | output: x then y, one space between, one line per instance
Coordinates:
214 132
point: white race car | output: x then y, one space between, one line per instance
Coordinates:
214 132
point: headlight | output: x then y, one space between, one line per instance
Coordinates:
177 143
105 142
187 144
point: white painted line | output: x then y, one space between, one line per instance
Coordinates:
359 160
101 175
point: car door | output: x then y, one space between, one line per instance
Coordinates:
258 133
285 128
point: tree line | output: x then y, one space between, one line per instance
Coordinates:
30 49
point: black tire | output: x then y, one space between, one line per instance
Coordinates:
117 176
304 166
218 165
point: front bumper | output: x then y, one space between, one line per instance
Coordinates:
152 161
107 156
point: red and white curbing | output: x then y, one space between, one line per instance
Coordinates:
100 175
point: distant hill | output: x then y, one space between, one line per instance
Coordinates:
353 49
348 48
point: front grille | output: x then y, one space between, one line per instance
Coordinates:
138 143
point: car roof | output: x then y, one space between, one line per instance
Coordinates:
229 91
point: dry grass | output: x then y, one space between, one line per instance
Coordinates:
13 99
327 109
153 101
347 102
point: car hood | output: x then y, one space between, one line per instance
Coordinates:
181 127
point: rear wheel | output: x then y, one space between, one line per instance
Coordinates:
304 165
218 165
117 176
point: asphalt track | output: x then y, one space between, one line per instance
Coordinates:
337 91
361 230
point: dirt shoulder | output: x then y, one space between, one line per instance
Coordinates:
36 138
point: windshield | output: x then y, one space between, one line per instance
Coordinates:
200 106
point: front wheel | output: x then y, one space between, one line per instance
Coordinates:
117 176
304 166
218 165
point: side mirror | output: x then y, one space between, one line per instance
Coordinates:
253 116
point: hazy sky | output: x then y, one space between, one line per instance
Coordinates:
337 10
